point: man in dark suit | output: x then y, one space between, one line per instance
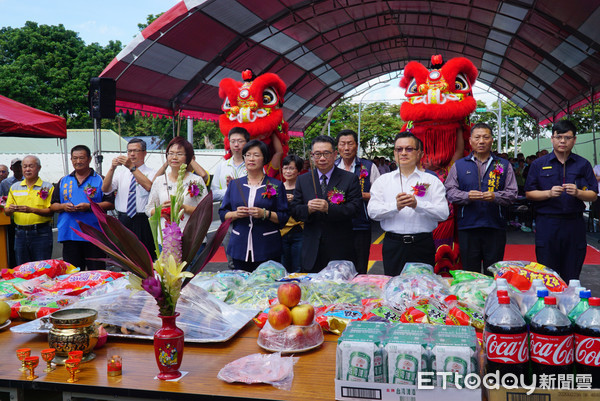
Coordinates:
326 199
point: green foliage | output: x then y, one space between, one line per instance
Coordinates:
380 122
49 68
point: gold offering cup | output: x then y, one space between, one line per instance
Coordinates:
31 363
23 353
72 366
73 330
48 355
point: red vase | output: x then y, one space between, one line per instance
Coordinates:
168 348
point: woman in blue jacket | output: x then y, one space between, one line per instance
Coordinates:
258 207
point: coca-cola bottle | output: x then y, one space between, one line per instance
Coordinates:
493 305
505 339
587 342
551 348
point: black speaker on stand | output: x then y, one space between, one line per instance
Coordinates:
102 100
102 97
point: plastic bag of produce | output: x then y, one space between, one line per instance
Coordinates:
470 287
520 274
338 271
268 271
400 291
260 368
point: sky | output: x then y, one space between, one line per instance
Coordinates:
96 21
103 20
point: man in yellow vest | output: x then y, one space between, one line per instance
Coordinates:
29 203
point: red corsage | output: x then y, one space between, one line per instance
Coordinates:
498 169
420 189
194 189
336 196
363 172
43 193
90 191
270 191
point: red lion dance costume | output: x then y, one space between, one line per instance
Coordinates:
255 105
437 112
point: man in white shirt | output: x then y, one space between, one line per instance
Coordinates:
133 184
408 203
232 168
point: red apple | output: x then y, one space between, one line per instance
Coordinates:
303 315
280 317
289 294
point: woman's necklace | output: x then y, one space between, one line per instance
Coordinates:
259 181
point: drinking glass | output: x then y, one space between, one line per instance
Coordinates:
48 355
31 363
23 353
72 366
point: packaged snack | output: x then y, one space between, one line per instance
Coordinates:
52 268
39 305
334 318
75 284
520 274
8 290
401 291
378 280
412 268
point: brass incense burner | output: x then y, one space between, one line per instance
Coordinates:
73 330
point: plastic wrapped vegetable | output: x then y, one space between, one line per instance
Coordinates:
337 271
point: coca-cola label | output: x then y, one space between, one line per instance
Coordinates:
552 350
506 348
587 350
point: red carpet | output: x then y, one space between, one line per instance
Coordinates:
512 252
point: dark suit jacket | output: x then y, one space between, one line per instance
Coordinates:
266 238
332 230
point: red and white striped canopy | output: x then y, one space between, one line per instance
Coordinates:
544 55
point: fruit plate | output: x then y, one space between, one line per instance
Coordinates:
5 324
292 351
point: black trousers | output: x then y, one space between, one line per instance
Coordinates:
560 244
481 245
400 249
78 252
140 226
362 246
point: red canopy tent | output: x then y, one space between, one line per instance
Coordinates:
18 119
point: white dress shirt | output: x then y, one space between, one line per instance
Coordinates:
431 207
162 189
120 183
225 168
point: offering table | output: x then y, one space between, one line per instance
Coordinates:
313 373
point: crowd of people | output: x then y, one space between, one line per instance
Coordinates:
321 210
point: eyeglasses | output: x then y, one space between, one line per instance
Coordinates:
563 137
408 149
234 141
253 155
318 155
171 154
134 150
289 168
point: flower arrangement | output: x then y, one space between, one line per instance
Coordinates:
43 193
194 189
270 191
494 180
90 191
420 189
336 196
3 201
178 261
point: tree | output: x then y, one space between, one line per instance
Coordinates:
49 67
380 122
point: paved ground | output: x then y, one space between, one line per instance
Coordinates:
590 275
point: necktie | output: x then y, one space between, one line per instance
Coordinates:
131 206
324 185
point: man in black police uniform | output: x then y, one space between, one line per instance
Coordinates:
558 184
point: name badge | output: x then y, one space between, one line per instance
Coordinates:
547 168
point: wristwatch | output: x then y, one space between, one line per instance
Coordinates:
133 169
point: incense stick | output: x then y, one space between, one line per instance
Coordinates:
564 167
312 173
